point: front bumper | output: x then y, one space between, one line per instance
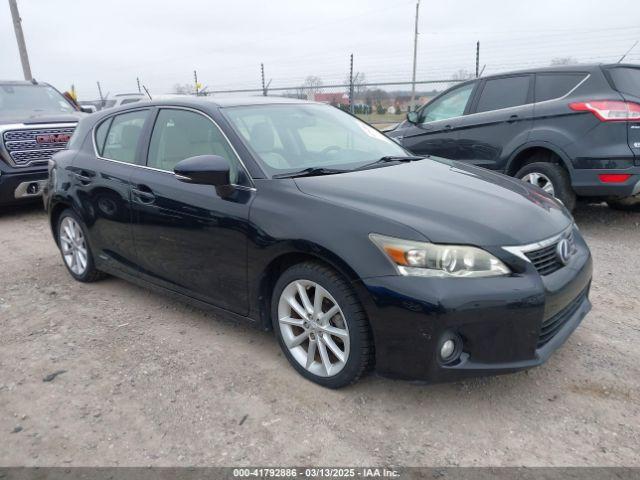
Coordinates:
18 187
500 320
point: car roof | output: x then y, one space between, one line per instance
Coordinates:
222 102
23 82
578 67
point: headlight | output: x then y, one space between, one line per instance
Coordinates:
432 260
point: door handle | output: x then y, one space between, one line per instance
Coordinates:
513 118
143 194
448 127
83 177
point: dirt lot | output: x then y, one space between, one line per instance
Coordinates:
148 381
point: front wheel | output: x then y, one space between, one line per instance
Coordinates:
552 178
321 326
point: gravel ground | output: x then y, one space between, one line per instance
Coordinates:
148 381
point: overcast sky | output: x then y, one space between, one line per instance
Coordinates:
163 41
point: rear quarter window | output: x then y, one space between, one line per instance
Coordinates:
626 80
556 85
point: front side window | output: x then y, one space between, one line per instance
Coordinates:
504 93
291 137
181 134
450 105
121 136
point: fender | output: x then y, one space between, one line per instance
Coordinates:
541 144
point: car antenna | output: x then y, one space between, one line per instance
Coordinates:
628 51
146 90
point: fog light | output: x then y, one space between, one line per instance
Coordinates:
447 349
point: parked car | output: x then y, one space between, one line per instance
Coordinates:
299 217
36 121
572 131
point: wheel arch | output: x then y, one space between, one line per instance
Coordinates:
281 262
527 153
54 216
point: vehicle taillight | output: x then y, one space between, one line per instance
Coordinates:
609 110
614 177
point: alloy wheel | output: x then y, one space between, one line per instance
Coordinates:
540 180
73 245
313 328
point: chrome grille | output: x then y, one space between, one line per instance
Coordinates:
24 150
546 259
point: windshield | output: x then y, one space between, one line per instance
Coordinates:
289 138
32 99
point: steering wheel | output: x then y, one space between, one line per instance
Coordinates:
331 148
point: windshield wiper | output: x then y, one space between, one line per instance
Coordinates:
310 172
390 159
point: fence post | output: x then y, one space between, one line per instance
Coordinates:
351 85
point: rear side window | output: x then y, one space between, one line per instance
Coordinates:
626 80
504 93
556 85
122 137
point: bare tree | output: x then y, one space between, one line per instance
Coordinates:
563 61
312 84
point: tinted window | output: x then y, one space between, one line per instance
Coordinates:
101 135
555 85
504 93
122 139
449 105
180 134
626 80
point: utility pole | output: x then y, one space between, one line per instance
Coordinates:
22 46
351 84
264 89
195 79
138 80
478 59
415 59
100 93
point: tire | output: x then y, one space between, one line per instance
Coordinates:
626 204
556 176
356 346
71 235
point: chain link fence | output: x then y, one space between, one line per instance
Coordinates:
380 104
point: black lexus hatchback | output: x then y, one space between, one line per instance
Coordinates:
299 217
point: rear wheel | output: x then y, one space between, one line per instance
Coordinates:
74 247
552 178
321 326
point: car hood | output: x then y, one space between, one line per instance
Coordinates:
447 202
29 117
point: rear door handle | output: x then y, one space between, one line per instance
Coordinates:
143 194
448 127
513 118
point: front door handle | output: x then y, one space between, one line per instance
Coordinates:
513 118
448 127
83 177
143 194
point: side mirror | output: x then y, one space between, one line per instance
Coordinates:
413 117
204 170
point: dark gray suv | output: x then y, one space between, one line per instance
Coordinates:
574 131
